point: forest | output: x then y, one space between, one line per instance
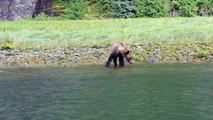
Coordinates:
96 9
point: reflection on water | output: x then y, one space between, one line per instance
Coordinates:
149 92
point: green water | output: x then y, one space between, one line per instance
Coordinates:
134 92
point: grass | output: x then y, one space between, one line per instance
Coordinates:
65 34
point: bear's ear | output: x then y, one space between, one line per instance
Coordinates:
127 52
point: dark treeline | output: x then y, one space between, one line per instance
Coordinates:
86 9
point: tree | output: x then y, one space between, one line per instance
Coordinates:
74 9
205 7
123 8
185 8
152 8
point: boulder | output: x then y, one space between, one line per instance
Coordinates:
18 9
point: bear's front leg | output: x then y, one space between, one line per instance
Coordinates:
121 60
115 61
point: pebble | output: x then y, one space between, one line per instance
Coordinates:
28 56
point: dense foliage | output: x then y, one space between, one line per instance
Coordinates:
185 8
71 9
205 7
152 8
91 9
123 8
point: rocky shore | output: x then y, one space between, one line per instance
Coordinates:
97 54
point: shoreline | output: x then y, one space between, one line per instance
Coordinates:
141 53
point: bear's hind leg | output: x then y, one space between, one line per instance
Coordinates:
111 57
115 61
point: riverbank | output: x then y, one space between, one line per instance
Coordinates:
151 40
87 33
141 52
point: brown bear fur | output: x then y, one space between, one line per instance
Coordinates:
121 52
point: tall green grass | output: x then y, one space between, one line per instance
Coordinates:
63 34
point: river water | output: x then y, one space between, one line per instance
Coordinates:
133 92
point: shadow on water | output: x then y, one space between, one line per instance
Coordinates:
139 91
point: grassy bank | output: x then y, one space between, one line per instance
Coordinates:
66 34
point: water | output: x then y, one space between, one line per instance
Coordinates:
134 92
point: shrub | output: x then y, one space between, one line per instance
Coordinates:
205 7
6 43
71 9
76 9
203 54
7 46
185 8
152 8
104 7
41 17
123 8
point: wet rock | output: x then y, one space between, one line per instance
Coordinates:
152 60
210 57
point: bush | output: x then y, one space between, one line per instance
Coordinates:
152 8
6 43
77 9
104 7
203 54
71 9
41 17
185 8
123 8
205 7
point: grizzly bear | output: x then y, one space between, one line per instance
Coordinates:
119 51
